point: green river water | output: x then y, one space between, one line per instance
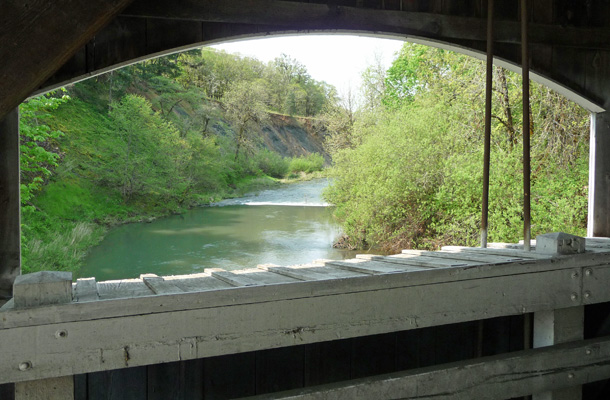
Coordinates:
284 226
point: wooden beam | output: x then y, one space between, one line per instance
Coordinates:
38 289
490 378
295 15
10 220
244 323
222 296
37 37
598 223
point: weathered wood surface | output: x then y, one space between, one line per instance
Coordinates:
598 223
273 307
204 290
305 15
39 36
110 343
42 288
10 213
489 378
39 289
85 289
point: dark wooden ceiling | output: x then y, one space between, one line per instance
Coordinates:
46 44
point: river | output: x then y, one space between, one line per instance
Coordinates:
285 226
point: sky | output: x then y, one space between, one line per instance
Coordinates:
336 59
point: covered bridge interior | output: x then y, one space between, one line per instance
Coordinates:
47 44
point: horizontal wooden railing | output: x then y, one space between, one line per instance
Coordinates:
82 335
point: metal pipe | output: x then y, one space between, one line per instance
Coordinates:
526 129
486 149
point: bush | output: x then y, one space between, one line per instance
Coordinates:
271 163
310 163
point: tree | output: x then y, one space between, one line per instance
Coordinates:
245 106
39 154
146 152
411 175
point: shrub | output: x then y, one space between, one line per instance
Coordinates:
310 163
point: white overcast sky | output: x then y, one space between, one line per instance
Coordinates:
336 59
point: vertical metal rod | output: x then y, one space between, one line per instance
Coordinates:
526 129
486 150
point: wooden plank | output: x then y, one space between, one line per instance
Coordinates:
38 39
164 381
313 273
39 289
125 288
252 278
500 252
280 369
373 355
86 290
61 388
264 277
595 284
10 220
42 288
197 282
9 305
371 267
122 384
421 261
109 343
300 15
7 391
452 255
326 362
259 294
159 285
490 378
230 377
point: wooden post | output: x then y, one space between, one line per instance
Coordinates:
10 233
43 288
560 325
598 223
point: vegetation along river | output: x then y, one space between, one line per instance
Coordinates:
284 226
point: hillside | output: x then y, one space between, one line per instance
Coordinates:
154 139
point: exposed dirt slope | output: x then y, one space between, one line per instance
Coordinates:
293 136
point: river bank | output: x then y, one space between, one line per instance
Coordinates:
282 225
70 218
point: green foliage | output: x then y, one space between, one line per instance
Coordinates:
245 105
310 163
270 163
147 140
37 144
410 173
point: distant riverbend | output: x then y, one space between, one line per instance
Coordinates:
287 225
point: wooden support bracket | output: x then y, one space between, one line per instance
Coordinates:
37 289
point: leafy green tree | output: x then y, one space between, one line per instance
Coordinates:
39 151
410 175
145 148
245 107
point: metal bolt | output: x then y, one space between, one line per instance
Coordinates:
587 294
571 375
588 351
574 296
588 272
574 274
24 366
61 334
